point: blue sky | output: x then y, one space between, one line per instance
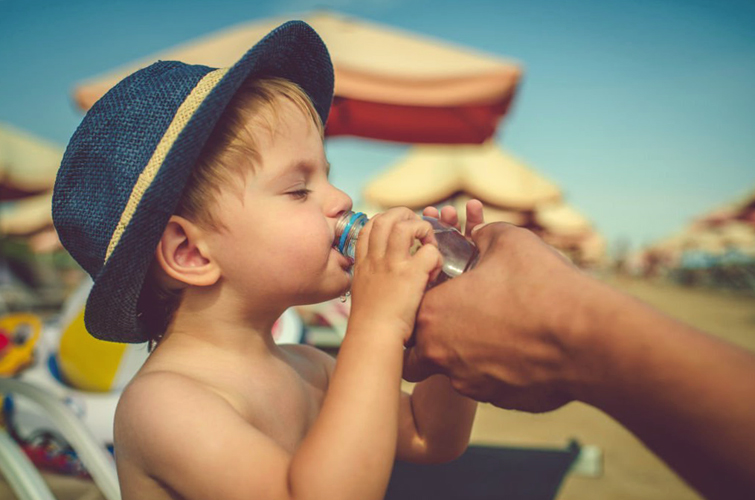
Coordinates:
642 111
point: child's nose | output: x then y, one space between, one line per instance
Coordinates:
340 202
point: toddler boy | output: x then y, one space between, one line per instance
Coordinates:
198 199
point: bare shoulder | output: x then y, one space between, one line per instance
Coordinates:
165 389
186 437
152 410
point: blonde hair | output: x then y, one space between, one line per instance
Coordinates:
229 155
232 150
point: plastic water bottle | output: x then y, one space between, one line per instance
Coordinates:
459 254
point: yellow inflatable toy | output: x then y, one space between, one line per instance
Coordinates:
19 333
87 374
89 364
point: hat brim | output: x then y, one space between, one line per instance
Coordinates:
293 51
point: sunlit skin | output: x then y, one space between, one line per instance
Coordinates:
220 411
526 330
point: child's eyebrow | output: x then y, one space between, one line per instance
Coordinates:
303 166
309 167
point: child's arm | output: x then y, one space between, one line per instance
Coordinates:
358 424
192 441
435 421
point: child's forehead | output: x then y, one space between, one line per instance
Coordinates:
281 117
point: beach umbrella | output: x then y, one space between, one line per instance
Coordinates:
562 219
433 174
390 84
737 234
704 240
28 166
719 215
27 215
593 248
746 209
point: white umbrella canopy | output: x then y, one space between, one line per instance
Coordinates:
593 248
706 241
27 163
26 215
428 175
562 219
390 84
28 166
715 239
737 234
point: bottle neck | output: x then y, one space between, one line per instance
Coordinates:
347 230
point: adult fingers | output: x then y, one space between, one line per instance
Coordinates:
485 235
449 216
416 369
475 217
431 212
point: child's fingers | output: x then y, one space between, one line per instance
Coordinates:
449 216
475 217
383 227
428 258
431 212
363 242
405 233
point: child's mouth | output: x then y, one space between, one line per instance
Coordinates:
344 261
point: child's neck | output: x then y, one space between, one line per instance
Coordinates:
224 323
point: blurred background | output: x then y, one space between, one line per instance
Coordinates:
620 132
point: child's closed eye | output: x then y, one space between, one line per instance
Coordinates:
299 194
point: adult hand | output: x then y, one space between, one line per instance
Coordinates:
497 331
526 330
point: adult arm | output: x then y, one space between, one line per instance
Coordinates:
526 330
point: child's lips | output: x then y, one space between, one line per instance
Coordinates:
344 261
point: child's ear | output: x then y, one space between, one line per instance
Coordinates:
184 255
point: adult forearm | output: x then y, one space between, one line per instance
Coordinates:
688 396
349 450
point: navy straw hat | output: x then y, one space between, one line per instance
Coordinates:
126 165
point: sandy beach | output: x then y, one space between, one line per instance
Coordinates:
630 471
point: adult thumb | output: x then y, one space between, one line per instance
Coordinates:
416 369
485 235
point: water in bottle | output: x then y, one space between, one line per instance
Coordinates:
459 254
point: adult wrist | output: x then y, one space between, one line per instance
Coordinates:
578 325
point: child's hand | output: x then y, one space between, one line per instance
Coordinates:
389 280
449 216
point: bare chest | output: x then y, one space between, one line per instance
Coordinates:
286 414
282 403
